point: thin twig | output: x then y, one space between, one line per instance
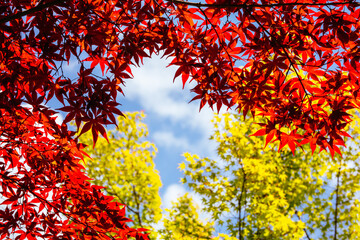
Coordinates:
137 205
38 8
115 194
306 233
239 202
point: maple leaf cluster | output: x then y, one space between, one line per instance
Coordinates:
44 188
293 62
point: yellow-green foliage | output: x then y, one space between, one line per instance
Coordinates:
257 193
126 167
250 192
183 222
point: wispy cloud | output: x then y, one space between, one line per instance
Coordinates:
153 88
168 139
172 193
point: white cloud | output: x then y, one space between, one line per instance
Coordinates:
72 67
153 88
167 139
59 118
172 193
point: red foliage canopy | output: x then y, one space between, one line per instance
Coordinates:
294 62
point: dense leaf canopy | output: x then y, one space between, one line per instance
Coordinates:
239 53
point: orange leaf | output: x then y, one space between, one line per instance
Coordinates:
260 132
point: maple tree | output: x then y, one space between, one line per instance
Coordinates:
240 53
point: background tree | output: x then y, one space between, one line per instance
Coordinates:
249 192
125 166
257 193
183 222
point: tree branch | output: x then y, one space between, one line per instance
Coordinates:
337 202
38 8
199 4
306 233
239 202
115 194
137 206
